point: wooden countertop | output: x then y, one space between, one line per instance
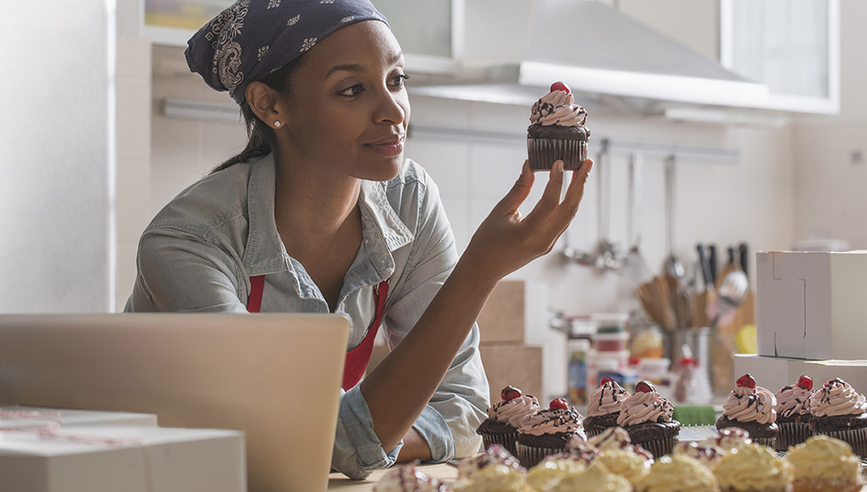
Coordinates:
337 481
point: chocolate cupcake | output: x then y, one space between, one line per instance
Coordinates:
547 432
751 408
646 416
793 413
504 417
557 131
603 406
840 412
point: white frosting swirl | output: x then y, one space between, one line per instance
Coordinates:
557 108
606 399
645 407
751 404
513 411
610 439
793 400
551 421
837 397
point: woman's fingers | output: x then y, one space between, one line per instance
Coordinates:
551 196
519 192
569 207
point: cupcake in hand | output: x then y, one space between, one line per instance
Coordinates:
751 408
793 413
840 412
557 131
603 406
547 432
504 417
646 416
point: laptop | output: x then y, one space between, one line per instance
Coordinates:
274 376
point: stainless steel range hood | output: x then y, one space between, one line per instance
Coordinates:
601 54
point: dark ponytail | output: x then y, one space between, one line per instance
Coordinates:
260 137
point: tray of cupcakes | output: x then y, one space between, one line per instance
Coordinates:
797 439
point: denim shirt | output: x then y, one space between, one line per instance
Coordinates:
199 253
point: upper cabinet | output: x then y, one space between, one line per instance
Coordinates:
792 46
430 31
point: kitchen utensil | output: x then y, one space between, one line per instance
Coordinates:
728 267
672 265
731 294
607 253
744 257
588 258
634 268
711 258
705 267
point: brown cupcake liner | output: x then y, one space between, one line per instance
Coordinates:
765 441
658 447
542 153
530 456
507 440
791 434
857 438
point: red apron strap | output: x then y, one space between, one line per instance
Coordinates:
358 358
257 285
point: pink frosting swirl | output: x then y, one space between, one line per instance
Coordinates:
551 421
606 399
513 411
557 108
793 400
751 404
645 407
837 397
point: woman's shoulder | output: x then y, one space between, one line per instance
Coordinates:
210 202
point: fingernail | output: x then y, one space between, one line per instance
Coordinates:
559 166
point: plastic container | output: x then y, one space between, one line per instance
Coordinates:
654 370
577 352
611 364
610 322
610 342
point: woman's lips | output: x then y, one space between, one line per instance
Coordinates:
389 146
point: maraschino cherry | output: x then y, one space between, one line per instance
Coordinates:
604 380
805 382
559 403
746 381
560 86
509 393
644 386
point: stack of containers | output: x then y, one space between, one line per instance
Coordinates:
609 356
581 330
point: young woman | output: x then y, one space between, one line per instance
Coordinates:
322 213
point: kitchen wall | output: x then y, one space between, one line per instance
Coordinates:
762 200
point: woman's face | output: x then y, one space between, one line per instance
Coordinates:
348 108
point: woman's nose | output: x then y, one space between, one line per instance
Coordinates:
391 107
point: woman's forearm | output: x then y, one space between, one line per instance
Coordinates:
402 384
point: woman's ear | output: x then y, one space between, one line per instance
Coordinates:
263 101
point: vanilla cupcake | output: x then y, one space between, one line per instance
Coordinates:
408 478
595 478
616 439
751 408
708 456
678 473
603 406
627 464
495 454
728 439
823 463
840 412
753 468
553 468
793 413
492 478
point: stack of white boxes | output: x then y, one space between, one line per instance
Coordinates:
51 450
811 318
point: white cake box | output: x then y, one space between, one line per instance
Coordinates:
123 459
775 372
17 416
811 305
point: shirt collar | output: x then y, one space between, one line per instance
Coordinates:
265 252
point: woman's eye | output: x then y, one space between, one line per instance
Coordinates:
351 91
399 80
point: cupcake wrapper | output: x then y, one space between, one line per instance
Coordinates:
658 447
542 153
857 438
765 441
530 456
791 433
507 440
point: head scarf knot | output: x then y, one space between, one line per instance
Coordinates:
254 38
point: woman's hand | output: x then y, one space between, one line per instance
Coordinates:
505 241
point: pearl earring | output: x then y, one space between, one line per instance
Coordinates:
277 124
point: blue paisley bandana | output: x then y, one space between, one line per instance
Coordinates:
254 38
